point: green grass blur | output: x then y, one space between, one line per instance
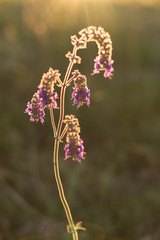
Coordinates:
117 186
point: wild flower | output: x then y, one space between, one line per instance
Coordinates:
74 144
46 92
46 97
81 93
35 109
104 59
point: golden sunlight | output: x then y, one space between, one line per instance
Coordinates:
144 2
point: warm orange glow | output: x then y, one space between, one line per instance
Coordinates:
144 2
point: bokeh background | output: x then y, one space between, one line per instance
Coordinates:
117 186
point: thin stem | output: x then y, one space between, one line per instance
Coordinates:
69 81
61 191
63 133
52 120
60 82
56 150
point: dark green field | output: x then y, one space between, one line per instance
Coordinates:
117 186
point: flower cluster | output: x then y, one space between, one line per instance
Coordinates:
35 110
74 144
46 88
44 97
81 92
104 59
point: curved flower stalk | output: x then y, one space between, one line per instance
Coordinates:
46 97
103 62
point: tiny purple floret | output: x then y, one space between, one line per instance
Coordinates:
109 69
96 66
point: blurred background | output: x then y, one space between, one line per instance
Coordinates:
117 186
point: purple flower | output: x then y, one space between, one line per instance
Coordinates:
109 69
47 97
44 97
96 66
74 144
74 149
35 109
46 88
81 96
103 64
81 92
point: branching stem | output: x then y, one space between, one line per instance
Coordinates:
63 133
56 149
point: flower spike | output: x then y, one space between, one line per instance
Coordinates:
74 144
46 88
35 109
44 97
81 93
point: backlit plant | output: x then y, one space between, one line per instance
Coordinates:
46 97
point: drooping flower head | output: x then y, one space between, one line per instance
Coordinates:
74 144
103 62
35 109
46 88
81 92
